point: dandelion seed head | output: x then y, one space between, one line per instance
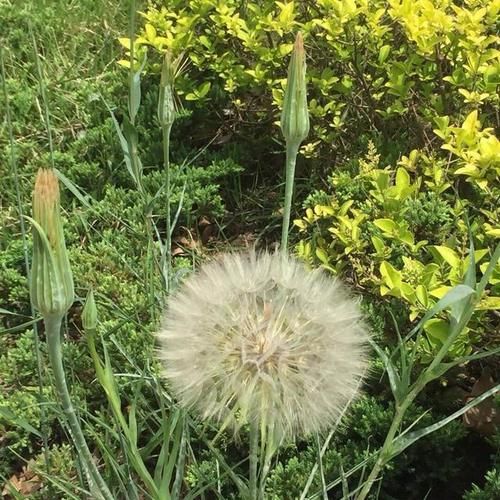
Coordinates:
257 337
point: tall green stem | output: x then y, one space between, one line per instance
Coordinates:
384 454
53 332
254 460
267 451
168 243
291 158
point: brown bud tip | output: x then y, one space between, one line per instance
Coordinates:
299 43
46 182
46 188
46 202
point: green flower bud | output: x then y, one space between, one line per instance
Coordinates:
51 278
166 101
295 116
89 313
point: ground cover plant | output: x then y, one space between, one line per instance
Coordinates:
174 135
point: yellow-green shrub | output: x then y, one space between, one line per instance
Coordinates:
376 238
476 151
389 65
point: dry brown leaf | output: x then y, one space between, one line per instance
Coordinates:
186 240
178 251
484 417
25 483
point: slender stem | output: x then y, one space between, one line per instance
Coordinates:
96 482
268 452
149 265
254 460
168 243
384 454
181 460
132 51
291 158
319 461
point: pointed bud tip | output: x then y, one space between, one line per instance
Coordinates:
167 70
46 185
299 43
46 200
89 313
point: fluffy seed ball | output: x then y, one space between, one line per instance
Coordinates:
257 337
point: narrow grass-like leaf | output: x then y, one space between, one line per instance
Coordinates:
456 294
21 327
458 308
83 199
172 453
135 90
392 372
132 422
345 485
108 382
123 142
405 370
18 421
474 357
414 423
10 313
181 458
339 480
310 479
442 368
196 494
239 483
489 271
65 487
179 208
120 471
404 441
315 467
131 136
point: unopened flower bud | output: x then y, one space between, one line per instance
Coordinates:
89 313
295 116
51 278
166 100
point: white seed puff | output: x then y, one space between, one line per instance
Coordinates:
258 337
